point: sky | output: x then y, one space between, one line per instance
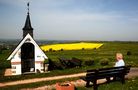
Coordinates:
104 20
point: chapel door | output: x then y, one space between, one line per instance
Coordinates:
27 57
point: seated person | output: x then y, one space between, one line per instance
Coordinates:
120 61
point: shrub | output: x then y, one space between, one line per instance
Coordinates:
54 50
50 50
89 62
128 53
53 65
104 62
94 48
61 49
0 51
82 48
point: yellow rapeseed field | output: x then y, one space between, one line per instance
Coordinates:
72 46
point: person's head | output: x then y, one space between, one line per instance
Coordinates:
119 56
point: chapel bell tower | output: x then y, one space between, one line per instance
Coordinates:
27 27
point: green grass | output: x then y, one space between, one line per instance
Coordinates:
3 62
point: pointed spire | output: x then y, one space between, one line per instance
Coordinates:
28 7
27 27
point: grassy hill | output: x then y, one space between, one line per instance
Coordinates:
105 53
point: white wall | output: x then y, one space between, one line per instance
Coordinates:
38 55
39 66
16 69
17 56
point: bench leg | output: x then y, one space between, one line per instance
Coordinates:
120 78
88 84
114 78
123 79
95 86
108 79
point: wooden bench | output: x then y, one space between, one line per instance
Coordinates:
118 74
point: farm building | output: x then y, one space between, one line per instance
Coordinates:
27 56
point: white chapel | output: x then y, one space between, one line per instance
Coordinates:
27 56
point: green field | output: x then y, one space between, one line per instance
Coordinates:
105 53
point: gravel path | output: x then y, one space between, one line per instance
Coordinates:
133 73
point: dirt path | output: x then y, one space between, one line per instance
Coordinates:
40 79
133 73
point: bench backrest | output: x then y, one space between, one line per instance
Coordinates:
107 72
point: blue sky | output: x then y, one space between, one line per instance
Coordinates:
71 19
